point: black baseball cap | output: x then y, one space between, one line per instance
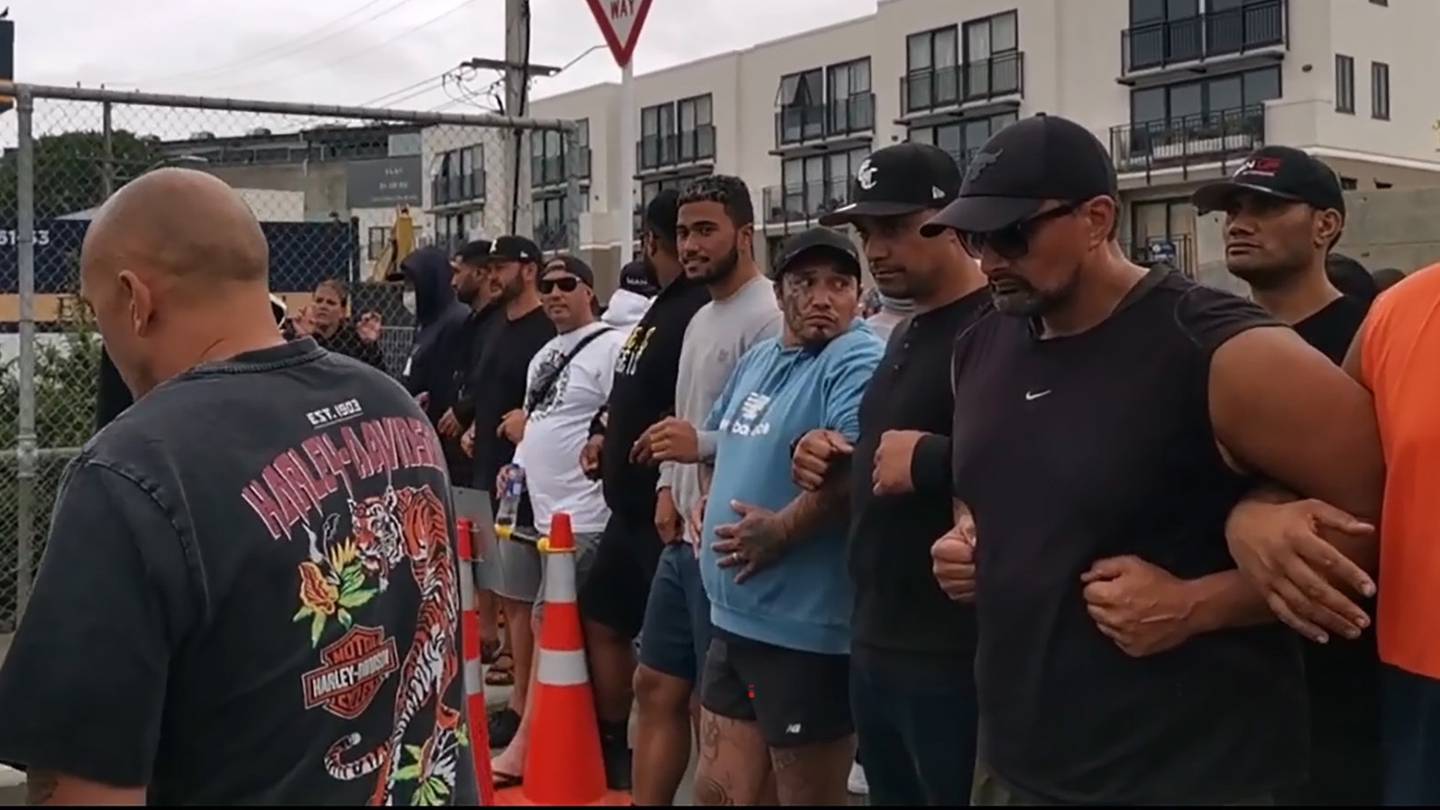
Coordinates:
474 253
635 277
1023 165
575 266
514 249
816 240
1276 171
899 180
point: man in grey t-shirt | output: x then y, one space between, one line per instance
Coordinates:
716 239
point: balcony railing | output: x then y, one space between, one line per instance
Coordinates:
852 115
1176 251
1202 138
551 171
798 204
551 235
458 188
937 88
654 152
1215 33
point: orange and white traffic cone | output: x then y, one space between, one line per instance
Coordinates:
474 671
563 765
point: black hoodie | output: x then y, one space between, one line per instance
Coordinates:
435 354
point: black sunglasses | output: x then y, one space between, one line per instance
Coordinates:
566 284
1013 241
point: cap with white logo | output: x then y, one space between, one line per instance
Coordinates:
899 180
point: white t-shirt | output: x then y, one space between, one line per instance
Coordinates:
559 425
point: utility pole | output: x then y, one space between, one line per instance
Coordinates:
516 152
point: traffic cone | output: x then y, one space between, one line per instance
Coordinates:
474 671
563 765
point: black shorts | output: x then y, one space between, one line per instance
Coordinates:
796 698
619 584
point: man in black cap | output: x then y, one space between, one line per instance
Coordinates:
775 697
1284 210
1107 422
912 680
519 331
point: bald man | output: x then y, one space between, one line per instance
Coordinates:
249 593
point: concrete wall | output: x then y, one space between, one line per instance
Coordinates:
1395 228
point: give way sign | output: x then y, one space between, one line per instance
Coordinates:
620 22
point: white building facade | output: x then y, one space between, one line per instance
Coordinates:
1180 91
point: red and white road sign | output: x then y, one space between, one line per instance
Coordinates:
620 21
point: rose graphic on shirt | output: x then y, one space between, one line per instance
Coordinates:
333 585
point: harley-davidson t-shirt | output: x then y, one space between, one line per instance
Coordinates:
249 596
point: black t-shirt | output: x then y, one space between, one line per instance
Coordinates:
1342 677
643 393
112 396
898 604
250 575
347 341
1099 445
506 349
1333 328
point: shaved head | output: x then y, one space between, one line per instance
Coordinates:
174 259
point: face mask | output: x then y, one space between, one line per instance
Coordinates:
407 299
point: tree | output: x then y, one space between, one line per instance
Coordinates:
70 168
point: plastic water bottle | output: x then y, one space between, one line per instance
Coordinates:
509 509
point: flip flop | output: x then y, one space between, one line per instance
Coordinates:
489 652
501 673
504 781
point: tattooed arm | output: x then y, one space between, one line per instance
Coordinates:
49 788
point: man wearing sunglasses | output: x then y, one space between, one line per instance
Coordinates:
569 379
1107 422
1284 211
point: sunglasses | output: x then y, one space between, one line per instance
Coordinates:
566 284
1013 241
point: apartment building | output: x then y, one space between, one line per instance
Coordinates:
1180 90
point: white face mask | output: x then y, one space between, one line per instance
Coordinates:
407 299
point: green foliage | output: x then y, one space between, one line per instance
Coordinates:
69 170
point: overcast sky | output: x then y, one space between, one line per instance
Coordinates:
356 51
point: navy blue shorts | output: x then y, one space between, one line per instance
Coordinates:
1410 728
677 616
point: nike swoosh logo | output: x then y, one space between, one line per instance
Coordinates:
1031 396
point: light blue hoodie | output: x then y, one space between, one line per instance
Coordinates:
777 394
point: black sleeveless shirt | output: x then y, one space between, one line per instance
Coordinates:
1097 445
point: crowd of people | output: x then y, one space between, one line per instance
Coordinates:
1025 522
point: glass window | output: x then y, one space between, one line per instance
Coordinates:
1004 34
785 97
918 52
976 134
582 133
650 121
1380 90
922 135
1146 11
1262 86
1185 100
946 47
977 41
1147 105
948 138
1226 94
1181 9
792 173
1344 84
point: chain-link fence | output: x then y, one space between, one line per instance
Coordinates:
341 193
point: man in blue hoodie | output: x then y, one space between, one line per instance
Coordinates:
775 692
429 373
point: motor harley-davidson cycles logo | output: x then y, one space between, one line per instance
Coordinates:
355 667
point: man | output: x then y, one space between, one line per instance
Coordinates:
1062 397
1283 211
569 380
324 319
913 658
716 231
516 333
1394 357
1351 278
612 603
252 478
429 373
630 301
775 700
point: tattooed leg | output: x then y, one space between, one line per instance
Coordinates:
734 762
811 775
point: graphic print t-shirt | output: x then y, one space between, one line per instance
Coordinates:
249 597
558 424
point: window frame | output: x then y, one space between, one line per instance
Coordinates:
1380 91
1344 84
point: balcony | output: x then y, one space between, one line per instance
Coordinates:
1256 29
674 152
1177 251
799 205
457 189
1218 137
551 235
993 83
815 127
551 170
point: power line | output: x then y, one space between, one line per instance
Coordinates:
287 47
367 51
388 97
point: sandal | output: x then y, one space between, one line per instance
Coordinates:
502 672
489 652
505 781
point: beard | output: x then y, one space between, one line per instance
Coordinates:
1020 299
1269 277
722 269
